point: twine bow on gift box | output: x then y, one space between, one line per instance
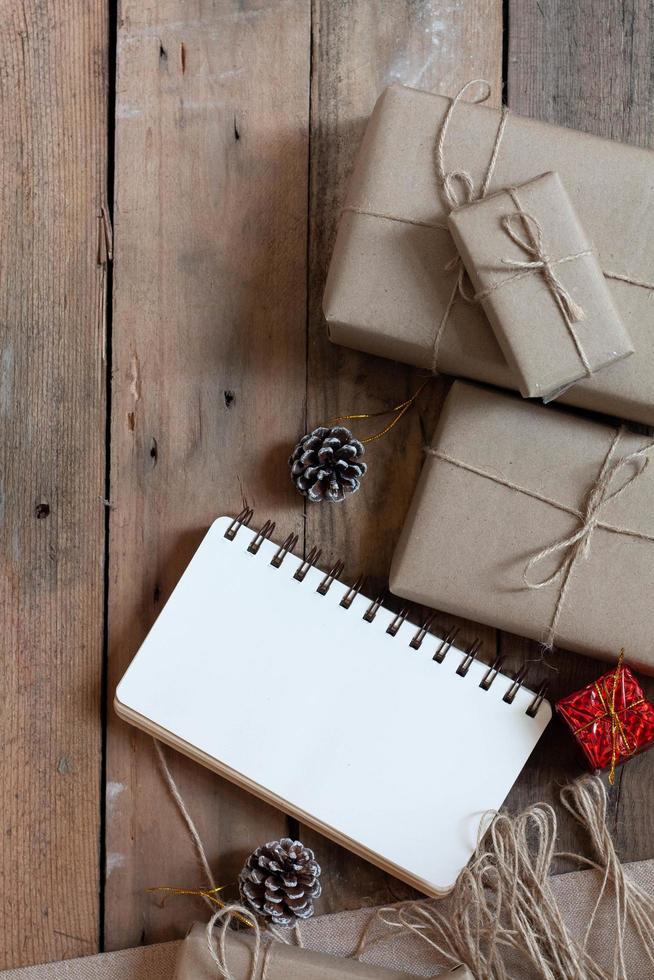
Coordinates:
576 546
610 711
533 245
525 231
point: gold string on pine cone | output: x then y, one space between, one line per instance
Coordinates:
277 883
327 464
210 895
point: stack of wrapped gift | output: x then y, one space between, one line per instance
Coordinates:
393 287
480 244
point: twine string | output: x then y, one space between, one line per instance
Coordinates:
448 183
502 919
532 242
210 895
187 818
632 903
526 231
574 547
223 914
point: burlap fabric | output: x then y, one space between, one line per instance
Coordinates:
145 963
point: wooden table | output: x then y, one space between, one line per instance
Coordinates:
149 386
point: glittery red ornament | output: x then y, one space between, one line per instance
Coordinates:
611 718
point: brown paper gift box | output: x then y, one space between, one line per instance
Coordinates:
552 331
387 287
510 479
276 962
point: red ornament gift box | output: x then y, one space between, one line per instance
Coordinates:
610 718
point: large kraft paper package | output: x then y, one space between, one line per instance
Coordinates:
515 495
391 276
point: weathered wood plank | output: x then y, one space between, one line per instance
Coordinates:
359 48
209 376
53 169
568 65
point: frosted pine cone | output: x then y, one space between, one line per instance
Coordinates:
280 880
326 464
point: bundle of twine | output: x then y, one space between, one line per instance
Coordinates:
502 919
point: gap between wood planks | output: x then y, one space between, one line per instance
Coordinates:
107 213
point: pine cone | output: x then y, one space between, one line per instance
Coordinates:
325 464
279 881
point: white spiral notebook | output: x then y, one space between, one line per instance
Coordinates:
377 733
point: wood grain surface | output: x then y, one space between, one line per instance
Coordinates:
53 162
236 127
208 379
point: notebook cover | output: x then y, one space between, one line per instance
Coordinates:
400 757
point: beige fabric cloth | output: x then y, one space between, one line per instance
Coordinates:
575 893
144 963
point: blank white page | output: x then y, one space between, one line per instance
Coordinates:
326 715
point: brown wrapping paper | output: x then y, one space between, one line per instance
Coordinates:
277 962
556 323
388 287
511 479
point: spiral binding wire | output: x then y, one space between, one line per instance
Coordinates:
288 546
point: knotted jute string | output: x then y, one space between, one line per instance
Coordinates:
574 547
502 919
226 913
526 231
457 187
533 244
448 182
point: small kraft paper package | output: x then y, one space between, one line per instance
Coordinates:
537 276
